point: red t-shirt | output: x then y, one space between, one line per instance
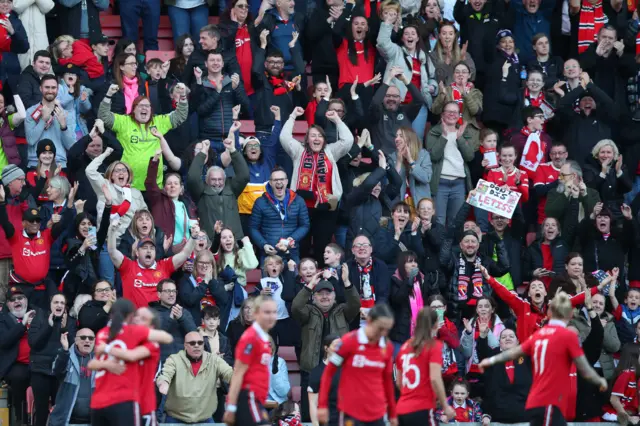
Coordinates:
367 375
416 393
497 176
254 349
148 370
245 57
416 79
24 350
552 350
363 69
545 174
31 257
140 284
625 388
110 388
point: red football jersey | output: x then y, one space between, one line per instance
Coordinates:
367 375
148 370
110 388
625 388
254 349
545 174
31 256
140 284
416 393
552 350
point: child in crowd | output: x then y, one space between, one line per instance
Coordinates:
623 403
486 158
627 315
467 410
287 414
157 71
333 258
321 90
508 174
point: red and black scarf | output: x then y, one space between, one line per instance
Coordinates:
535 102
280 85
591 20
458 97
313 174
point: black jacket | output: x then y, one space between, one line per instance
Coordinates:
353 118
28 88
514 240
599 69
190 294
401 307
265 97
590 400
118 104
505 402
93 316
320 38
380 280
199 57
582 132
178 328
12 332
77 162
72 18
493 109
612 188
44 341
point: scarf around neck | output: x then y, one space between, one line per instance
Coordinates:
458 97
535 102
314 174
592 19
368 296
533 151
281 206
130 90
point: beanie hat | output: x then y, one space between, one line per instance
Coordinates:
11 173
502 34
45 145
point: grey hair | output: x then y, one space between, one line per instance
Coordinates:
575 167
217 169
601 144
61 183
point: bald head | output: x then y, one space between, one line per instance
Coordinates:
194 344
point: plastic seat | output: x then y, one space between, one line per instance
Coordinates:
163 55
254 276
296 393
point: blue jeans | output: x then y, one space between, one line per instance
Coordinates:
105 265
449 199
131 11
341 235
420 123
188 21
629 196
170 419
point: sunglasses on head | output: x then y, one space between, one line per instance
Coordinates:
195 343
89 338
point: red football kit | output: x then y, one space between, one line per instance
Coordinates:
625 388
254 349
31 256
545 174
140 284
416 393
552 350
367 375
497 176
148 371
110 388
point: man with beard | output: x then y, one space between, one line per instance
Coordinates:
590 122
279 219
386 112
570 185
15 320
462 266
48 120
140 278
546 177
76 380
189 379
217 197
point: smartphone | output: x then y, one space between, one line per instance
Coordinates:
93 232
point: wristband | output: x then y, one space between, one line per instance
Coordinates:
413 163
231 408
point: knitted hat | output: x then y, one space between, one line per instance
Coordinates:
502 34
11 173
45 145
469 232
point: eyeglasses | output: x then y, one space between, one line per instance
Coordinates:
437 307
392 96
275 62
540 116
451 112
362 245
103 290
204 263
339 111
170 291
279 180
195 343
89 338
566 174
17 299
252 145
242 6
120 170
130 64
144 106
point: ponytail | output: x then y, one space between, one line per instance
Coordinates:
120 311
422 336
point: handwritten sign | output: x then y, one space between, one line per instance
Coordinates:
489 196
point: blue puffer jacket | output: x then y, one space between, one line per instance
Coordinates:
214 109
267 226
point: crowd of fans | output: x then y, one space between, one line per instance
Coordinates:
140 179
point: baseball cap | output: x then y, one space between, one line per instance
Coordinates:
99 38
13 291
146 240
323 285
31 215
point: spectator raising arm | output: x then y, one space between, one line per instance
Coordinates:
7 226
112 248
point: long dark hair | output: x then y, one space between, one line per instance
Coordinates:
628 360
121 45
380 311
351 44
179 60
403 258
120 311
422 337
493 304
117 72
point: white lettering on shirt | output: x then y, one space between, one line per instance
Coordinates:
361 361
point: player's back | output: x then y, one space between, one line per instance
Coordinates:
416 393
552 350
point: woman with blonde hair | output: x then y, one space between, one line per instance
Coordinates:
604 171
448 53
143 226
68 51
413 164
125 200
201 288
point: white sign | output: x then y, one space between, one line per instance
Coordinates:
489 196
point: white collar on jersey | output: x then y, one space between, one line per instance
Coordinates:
154 266
263 334
557 322
363 339
463 405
